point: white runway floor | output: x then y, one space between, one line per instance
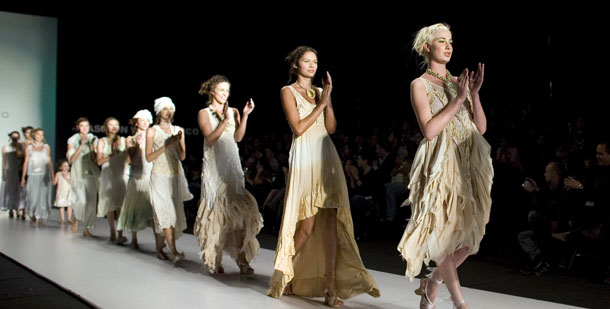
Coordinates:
112 276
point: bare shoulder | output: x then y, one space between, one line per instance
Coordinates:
151 131
417 84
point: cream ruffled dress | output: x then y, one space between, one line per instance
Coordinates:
225 206
450 188
316 184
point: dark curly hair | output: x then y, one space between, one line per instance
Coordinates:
209 85
294 57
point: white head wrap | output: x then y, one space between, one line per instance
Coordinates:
162 103
144 114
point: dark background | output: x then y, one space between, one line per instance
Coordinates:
114 60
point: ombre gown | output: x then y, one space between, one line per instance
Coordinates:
84 180
316 185
114 177
39 181
225 206
450 186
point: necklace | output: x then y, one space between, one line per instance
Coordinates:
447 80
213 111
310 92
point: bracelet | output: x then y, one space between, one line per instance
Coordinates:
580 186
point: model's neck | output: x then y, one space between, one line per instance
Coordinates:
439 68
304 82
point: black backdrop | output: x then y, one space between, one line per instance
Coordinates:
115 60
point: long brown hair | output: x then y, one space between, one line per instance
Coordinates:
209 85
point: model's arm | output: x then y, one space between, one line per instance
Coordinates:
49 157
211 136
25 166
476 81
4 176
330 122
182 145
74 153
150 154
241 123
298 125
431 126
100 160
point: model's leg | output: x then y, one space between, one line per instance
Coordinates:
303 233
69 210
61 215
242 261
120 238
448 271
330 256
171 242
110 218
160 244
134 240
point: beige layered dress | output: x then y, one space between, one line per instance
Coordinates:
226 207
450 188
316 184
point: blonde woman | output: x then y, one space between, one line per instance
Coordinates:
451 174
165 148
316 254
228 217
39 170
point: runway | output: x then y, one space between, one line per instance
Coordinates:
112 276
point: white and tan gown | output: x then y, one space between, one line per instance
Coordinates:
39 182
85 177
316 185
114 177
137 213
168 186
225 206
450 186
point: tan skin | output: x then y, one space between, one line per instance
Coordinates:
83 130
64 171
37 145
112 128
439 52
220 105
306 69
165 115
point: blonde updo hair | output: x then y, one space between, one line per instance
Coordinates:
425 35
209 85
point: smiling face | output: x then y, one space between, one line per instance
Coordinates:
83 127
64 167
142 124
38 136
112 126
307 65
440 48
221 92
603 155
166 113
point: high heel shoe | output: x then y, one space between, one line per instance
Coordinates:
332 301
425 302
458 304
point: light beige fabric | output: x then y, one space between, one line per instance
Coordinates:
316 184
225 206
450 188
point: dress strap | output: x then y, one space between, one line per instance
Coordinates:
426 83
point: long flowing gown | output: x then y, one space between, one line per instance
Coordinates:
39 183
113 179
450 186
137 213
10 190
226 207
85 180
168 186
316 185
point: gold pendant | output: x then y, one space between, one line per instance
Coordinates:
311 93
